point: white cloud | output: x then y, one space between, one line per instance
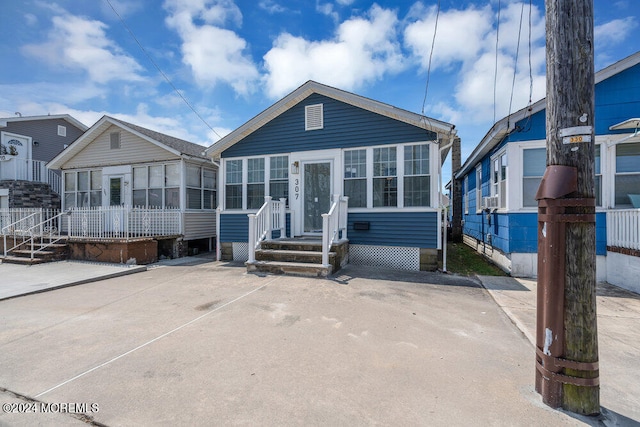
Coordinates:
77 43
465 45
614 32
271 6
214 54
363 50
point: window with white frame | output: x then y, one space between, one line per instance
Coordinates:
417 182
627 177
598 175
385 180
355 177
82 189
499 179
209 186
478 188
534 163
255 183
233 184
279 177
157 186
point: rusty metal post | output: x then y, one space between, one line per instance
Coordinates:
554 212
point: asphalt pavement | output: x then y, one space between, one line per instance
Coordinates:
197 342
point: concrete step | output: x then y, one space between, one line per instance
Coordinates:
290 268
293 245
27 253
309 257
22 260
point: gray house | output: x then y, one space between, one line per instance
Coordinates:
26 145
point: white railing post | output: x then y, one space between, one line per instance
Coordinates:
252 237
283 218
345 215
218 250
325 239
268 219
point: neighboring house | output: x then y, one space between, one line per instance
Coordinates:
502 175
318 144
121 167
26 145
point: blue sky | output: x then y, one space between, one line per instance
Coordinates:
232 59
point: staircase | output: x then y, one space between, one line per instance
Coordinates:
299 257
43 251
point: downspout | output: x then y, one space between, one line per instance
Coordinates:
440 205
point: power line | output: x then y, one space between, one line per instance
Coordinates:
433 43
495 74
160 70
515 65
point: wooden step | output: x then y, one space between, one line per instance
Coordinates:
290 268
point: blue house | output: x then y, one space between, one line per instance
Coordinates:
502 175
333 167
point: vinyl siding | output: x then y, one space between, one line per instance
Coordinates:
345 126
45 133
234 228
199 225
409 229
133 149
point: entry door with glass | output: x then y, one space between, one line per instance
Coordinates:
116 196
316 195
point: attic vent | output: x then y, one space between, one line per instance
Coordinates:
62 130
115 140
313 117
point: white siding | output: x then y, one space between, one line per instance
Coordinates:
133 149
199 225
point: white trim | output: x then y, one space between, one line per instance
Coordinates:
479 188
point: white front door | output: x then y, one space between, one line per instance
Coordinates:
316 194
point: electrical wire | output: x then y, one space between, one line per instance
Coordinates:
515 65
433 43
160 70
495 73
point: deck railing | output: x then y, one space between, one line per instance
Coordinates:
30 170
623 228
123 222
334 225
271 216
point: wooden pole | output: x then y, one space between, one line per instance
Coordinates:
570 142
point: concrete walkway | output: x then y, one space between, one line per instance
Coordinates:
618 339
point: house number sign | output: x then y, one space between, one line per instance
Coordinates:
296 188
576 134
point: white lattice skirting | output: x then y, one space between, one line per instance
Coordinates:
240 251
385 256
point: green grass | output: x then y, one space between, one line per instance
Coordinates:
463 260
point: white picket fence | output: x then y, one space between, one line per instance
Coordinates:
623 228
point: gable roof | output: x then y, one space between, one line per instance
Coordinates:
311 87
506 125
72 121
177 146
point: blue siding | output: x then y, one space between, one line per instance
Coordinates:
617 99
234 228
518 232
345 126
411 229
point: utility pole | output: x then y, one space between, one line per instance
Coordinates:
456 192
567 373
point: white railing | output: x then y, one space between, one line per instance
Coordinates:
24 225
623 228
271 216
334 225
122 222
30 170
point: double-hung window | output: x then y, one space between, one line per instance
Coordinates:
417 182
385 179
194 187
627 179
233 186
209 189
157 186
465 192
279 178
499 179
534 163
255 183
598 177
355 177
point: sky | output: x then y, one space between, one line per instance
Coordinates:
198 69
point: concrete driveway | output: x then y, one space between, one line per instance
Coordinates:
208 344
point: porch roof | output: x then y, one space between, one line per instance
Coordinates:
177 146
310 87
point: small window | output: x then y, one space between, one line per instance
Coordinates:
313 117
478 188
62 130
114 137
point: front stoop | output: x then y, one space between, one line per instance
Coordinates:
53 252
298 257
